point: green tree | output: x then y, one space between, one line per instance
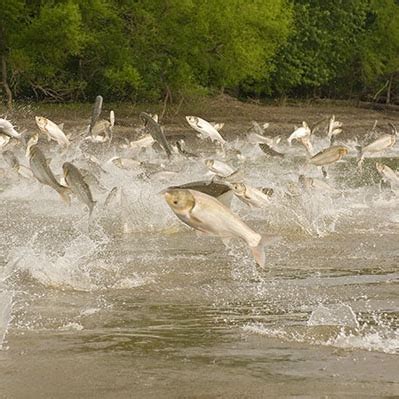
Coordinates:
377 56
320 47
11 16
45 49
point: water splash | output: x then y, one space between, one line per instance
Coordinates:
337 326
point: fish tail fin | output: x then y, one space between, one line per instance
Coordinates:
64 193
258 253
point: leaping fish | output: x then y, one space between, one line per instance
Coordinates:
220 168
387 174
98 104
251 196
156 131
53 131
8 129
382 143
328 156
43 173
334 128
208 215
300 132
77 185
205 129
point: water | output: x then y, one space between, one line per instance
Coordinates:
133 304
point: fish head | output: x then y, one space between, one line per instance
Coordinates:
342 151
238 188
192 120
41 122
180 200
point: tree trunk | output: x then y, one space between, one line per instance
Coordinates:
4 79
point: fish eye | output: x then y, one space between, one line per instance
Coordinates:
175 202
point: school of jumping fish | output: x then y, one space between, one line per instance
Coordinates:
203 205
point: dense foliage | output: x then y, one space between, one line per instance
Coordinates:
144 50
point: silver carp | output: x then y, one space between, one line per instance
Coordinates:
208 215
44 175
77 185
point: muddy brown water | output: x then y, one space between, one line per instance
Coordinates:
133 304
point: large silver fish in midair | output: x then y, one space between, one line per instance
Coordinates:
208 215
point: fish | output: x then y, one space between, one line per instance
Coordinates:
157 133
382 143
387 174
77 185
43 173
222 192
219 168
52 131
306 142
251 196
205 129
334 128
300 132
206 214
329 155
8 129
267 149
98 104
254 138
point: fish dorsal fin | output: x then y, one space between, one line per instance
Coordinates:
217 126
